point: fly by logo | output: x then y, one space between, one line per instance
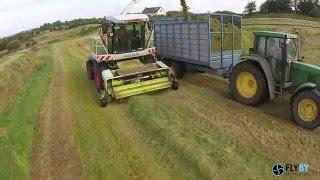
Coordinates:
301 168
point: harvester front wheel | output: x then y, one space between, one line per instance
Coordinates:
89 66
175 85
305 109
97 76
248 84
103 102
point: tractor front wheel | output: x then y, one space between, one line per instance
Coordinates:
305 109
248 84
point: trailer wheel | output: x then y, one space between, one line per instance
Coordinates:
248 84
89 66
97 76
305 109
178 69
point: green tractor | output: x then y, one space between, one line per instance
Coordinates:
273 68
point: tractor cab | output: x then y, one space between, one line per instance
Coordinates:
279 50
125 33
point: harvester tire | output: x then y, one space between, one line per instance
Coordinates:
305 109
248 84
103 102
175 85
97 77
178 69
89 66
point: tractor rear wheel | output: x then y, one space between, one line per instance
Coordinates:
89 65
178 69
248 84
97 76
305 109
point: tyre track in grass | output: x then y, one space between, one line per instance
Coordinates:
55 154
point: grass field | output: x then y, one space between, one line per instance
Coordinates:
54 127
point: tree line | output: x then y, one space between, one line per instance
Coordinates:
299 7
14 42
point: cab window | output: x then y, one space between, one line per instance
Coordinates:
292 49
128 37
274 49
261 46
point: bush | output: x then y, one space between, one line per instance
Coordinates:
13 45
3 45
315 12
31 43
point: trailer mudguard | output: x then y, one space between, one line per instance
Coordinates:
266 70
306 86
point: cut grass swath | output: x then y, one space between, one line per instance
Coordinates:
19 125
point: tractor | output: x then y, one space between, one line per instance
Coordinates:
273 68
123 62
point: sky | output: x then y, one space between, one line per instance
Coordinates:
20 15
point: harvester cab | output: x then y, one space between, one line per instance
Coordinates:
125 33
273 68
123 62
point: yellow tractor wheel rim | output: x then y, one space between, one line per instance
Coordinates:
308 110
247 85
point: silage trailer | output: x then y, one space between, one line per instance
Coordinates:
204 42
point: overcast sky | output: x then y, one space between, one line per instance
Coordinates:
19 15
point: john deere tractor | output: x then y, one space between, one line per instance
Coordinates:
273 68
123 62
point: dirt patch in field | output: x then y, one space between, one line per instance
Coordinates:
55 154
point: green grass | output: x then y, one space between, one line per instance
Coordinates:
191 145
19 125
287 16
15 72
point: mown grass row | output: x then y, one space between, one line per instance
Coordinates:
18 125
14 75
102 152
190 144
